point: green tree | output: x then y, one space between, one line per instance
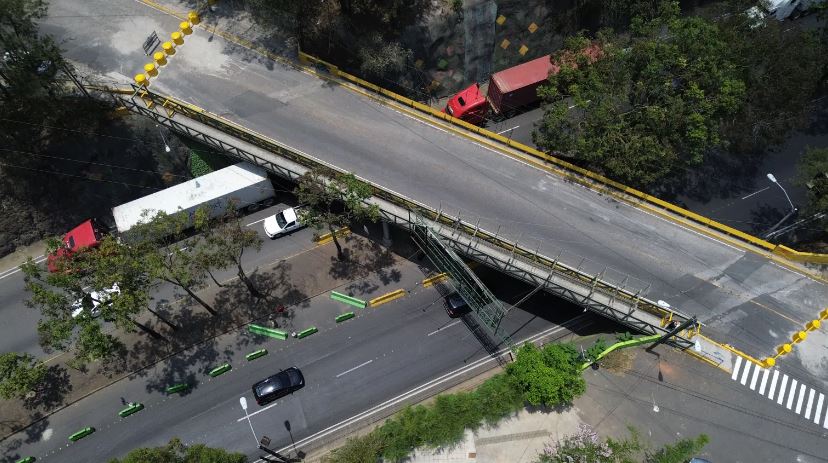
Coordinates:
380 57
813 174
547 376
225 243
19 374
333 200
176 452
652 103
679 452
166 250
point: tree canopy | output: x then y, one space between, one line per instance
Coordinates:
19 374
333 200
548 376
176 452
673 89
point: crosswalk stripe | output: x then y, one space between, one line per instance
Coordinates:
773 384
818 412
825 423
764 382
745 373
736 368
810 402
753 378
781 396
789 405
800 398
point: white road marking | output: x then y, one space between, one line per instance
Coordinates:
818 413
773 384
810 402
764 382
12 271
789 404
423 387
754 378
755 193
258 411
736 368
254 223
799 399
745 373
354 368
504 131
444 327
781 396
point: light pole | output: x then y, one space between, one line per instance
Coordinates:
166 148
772 178
243 402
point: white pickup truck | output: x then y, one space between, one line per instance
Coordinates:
282 223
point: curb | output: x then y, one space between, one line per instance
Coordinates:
346 299
431 281
328 237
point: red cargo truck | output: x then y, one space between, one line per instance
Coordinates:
509 89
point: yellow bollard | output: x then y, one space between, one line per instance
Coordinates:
193 17
813 325
185 27
784 349
168 48
177 38
769 362
150 69
141 80
160 58
799 336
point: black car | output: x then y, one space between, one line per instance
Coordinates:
456 306
279 385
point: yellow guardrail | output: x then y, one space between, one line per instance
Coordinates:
570 169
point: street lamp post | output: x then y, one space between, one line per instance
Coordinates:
243 402
772 178
166 146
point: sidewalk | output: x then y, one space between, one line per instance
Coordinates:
371 271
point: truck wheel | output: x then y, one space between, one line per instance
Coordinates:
253 207
268 202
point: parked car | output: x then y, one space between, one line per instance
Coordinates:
456 306
282 223
93 301
279 385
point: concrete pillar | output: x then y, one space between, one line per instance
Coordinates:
386 234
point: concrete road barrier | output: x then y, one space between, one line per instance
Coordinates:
388 297
220 370
265 331
433 280
307 332
133 408
256 354
81 434
177 388
344 316
344 298
26 460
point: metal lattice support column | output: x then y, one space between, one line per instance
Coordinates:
487 307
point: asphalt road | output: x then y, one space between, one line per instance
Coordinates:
20 322
349 368
741 297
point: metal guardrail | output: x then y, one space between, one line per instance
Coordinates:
162 109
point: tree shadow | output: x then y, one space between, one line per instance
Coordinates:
51 391
362 258
764 217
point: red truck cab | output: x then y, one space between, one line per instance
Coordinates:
85 235
469 105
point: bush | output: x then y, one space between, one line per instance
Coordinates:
365 449
548 377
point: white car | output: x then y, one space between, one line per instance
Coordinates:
96 298
282 223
